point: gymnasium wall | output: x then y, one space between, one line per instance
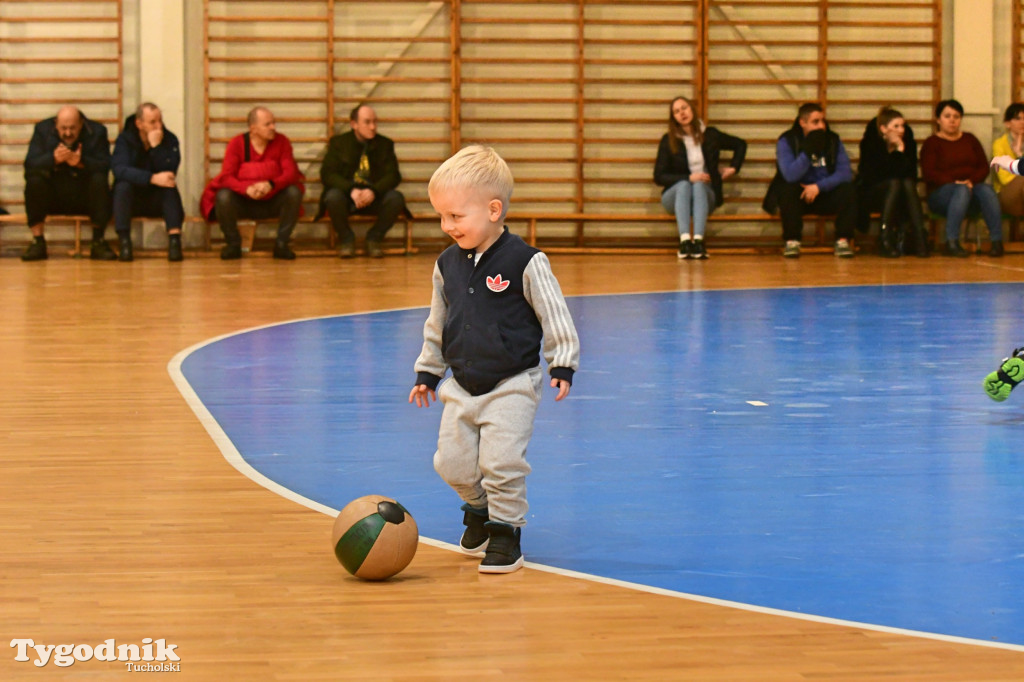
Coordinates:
573 94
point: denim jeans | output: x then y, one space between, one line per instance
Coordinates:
954 200
680 197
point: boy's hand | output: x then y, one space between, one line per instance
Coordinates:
563 387
423 395
1002 162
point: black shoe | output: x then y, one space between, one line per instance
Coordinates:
685 249
923 249
174 253
503 552
347 250
955 250
997 250
231 252
35 251
125 246
475 537
100 250
373 249
699 251
282 252
886 246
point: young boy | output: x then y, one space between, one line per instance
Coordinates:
494 300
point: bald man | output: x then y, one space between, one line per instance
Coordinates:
258 179
66 173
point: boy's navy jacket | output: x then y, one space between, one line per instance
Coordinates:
491 332
133 162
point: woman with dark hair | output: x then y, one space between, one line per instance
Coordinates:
687 168
887 176
1008 186
954 166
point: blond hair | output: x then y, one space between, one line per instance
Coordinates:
475 167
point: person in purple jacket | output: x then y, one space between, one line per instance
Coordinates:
813 176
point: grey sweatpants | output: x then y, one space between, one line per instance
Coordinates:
481 445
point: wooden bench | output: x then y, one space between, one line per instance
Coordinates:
818 242
76 221
248 228
751 244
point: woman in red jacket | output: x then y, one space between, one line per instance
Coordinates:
954 166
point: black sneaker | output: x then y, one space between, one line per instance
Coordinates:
699 251
347 250
100 250
125 246
997 250
282 252
474 538
35 251
685 248
373 249
954 249
231 252
174 253
503 552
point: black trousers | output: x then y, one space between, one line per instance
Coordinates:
147 201
897 201
840 201
387 209
230 206
68 194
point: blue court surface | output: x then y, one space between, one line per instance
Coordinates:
823 451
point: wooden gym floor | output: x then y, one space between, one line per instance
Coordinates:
121 519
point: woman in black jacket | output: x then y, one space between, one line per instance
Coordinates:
887 179
687 169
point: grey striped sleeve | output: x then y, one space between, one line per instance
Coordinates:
561 344
431 361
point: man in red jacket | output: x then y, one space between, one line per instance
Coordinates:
259 179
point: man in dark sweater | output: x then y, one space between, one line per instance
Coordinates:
360 174
66 172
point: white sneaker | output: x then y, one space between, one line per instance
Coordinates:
843 249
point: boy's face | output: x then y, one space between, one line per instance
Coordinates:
469 216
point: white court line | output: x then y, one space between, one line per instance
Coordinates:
998 266
234 458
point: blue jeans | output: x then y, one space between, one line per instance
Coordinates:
954 200
678 199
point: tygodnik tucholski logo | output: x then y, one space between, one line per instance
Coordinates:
150 656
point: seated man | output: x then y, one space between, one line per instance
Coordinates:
145 164
66 171
360 174
813 176
258 179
